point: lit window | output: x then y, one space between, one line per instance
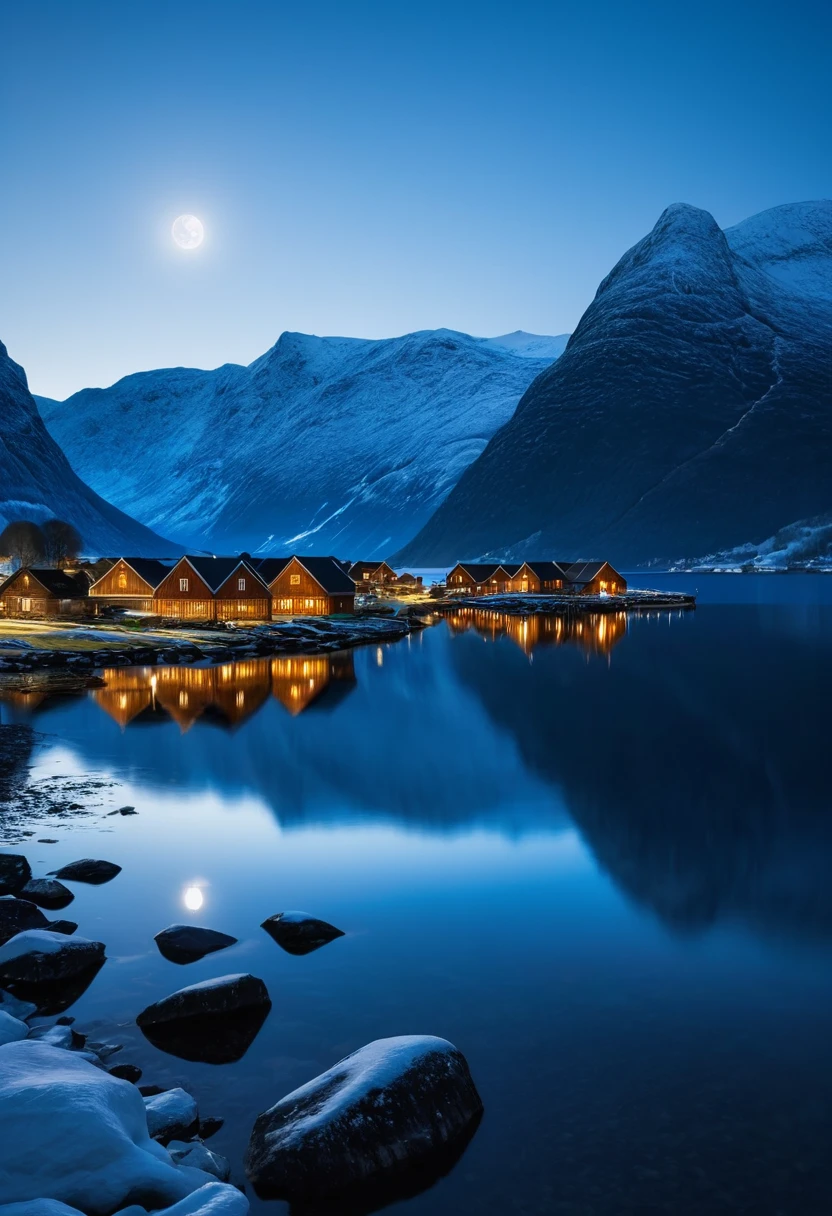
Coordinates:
122 582
183 584
25 605
294 579
241 584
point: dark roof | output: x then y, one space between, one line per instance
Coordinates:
329 572
151 569
481 572
57 582
582 572
269 567
215 570
375 564
545 570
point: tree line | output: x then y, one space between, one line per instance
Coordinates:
52 543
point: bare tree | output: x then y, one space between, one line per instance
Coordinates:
24 542
63 541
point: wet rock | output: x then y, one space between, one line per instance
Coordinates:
88 870
67 927
187 943
15 872
39 956
11 1029
196 1155
105 1050
171 1115
18 914
300 933
46 840
394 1106
47 893
126 1072
209 1127
123 810
214 1022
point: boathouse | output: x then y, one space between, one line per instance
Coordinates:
593 578
308 586
42 591
480 578
213 589
130 583
371 574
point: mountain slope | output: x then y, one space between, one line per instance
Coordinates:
334 444
691 410
36 481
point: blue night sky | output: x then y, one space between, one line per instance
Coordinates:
369 169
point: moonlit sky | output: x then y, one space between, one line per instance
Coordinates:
372 168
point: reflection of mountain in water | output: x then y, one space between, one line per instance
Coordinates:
691 765
594 633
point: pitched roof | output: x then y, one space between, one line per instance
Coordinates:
329 573
269 567
215 570
375 564
56 582
153 570
481 572
546 570
582 572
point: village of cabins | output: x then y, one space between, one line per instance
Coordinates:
244 588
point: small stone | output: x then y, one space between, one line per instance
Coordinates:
187 943
88 870
171 1115
197 1156
150 1091
209 1127
15 872
123 810
300 933
105 1050
46 840
126 1072
47 893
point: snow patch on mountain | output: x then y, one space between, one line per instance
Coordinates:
342 445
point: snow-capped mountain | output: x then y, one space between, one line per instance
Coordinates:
36 481
338 445
690 413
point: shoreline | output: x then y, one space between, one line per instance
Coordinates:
527 604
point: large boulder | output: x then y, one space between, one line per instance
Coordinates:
47 893
39 956
300 933
215 1021
15 872
19 914
188 943
70 1132
88 870
391 1106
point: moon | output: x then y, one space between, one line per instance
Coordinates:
193 899
188 231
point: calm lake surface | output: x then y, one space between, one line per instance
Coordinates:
598 861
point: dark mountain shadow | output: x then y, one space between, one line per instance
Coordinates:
691 763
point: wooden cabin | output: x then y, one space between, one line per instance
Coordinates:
371 574
409 580
593 578
308 586
43 592
213 589
480 578
537 578
131 582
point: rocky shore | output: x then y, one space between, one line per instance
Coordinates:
571 604
191 645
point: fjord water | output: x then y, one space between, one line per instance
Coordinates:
599 861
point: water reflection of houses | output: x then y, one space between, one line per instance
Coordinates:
225 695
594 633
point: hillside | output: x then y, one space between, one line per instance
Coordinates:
332 444
691 412
36 481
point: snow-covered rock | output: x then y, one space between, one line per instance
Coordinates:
300 933
187 943
72 1133
11 1029
214 1199
18 914
195 1154
18 1009
383 1109
36 481
350 443
215 1021
689 413
44 1207
41 956
171 1115
226 994
55 1036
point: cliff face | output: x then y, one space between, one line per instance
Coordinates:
36 481
328 444
691 411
